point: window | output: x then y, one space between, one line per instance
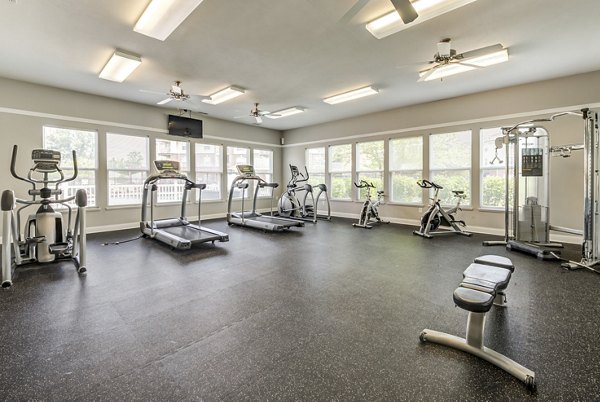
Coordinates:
85 143
209 170
128 166
450 164
406 167
369 165
172 190
340 171
237 156
315 165
263 165
493 170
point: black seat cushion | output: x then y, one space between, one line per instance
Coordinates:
495 261
488 276
473 300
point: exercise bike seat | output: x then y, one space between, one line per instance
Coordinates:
458 192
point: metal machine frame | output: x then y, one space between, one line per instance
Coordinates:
298 208
369 212
253 218
178 233
591 218
46 238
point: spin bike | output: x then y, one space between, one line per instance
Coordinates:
306 207
369 213
437 216
46 239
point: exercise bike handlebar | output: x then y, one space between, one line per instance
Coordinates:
364 184
428 184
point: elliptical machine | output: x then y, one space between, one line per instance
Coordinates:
45 239
305 206
369 213
437 216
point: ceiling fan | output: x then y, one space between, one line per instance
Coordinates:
404 8
257 114
447 57
176 93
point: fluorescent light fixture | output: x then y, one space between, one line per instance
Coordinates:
285 112
162 17
224 95
120 65
447 70
427 9
351 95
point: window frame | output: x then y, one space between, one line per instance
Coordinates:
108 170
392 172
250 189
264 190
185 172
361 193
220 172
312 172
331 172
464 204
80 169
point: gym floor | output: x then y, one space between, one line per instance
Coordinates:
325 312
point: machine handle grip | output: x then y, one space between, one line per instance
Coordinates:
424 183
75 170
364 184
13 162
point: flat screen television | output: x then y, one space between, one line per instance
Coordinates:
185 126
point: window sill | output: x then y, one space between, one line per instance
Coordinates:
490 209
402 204
342 200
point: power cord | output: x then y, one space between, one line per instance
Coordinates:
116 243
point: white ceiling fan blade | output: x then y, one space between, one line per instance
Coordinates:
480 52
467 64
406 10
259 119
355 9
162 102
272 115
427 74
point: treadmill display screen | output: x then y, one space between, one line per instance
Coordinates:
166 165
246 169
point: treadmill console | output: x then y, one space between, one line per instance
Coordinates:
167 166
246 170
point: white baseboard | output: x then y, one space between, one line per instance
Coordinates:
557 237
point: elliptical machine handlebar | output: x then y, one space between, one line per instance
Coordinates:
28 179
295 174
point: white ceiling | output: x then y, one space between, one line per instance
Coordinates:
292 52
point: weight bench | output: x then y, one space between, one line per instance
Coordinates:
483 285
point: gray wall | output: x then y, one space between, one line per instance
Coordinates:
484 110
25 108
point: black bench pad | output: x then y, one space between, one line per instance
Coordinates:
495 261
486 276
473 300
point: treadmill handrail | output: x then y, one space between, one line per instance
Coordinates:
156 177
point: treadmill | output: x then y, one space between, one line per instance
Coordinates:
252 218
178 233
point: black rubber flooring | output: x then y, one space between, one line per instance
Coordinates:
325 312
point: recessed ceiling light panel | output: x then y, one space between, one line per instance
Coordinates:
285 112
120 65
224 95
351 95
162 17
